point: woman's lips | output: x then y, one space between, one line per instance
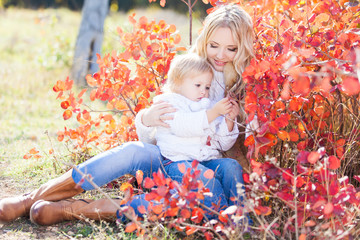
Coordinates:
219 63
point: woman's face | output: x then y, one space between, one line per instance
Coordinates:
221 48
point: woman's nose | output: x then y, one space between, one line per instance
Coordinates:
220 54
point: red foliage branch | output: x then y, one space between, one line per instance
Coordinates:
126 82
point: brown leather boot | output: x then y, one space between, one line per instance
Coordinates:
59 188
49 213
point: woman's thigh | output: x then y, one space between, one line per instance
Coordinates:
116 162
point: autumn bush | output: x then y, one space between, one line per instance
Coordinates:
302 87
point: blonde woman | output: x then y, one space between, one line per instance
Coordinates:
226 39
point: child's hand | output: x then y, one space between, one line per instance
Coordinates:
224 106
235 110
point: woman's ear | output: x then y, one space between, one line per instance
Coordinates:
230 75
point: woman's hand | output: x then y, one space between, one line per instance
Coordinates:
155 115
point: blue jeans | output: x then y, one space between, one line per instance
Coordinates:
114 163
228 173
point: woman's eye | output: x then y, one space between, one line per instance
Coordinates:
198 85
213 46
207 88
232 49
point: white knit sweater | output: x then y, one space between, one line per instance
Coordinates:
190 136
217 91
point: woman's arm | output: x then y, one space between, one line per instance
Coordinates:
148 119
225 138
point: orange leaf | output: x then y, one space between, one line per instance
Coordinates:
172 212
190 230
302 236
142 209
294 137
125 186
182 167
209 174
249 141
82 93
148 183
157 209
313 157
67 114
139 176
283 135
185 213
33 151
130 227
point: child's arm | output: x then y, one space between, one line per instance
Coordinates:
232 115
224 106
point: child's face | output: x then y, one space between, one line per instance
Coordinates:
221 48
196 87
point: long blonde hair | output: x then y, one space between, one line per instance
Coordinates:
240 24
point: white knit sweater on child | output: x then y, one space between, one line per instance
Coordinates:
217 91
190 135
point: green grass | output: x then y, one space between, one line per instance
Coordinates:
28 104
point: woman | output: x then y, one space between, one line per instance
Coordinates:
227 37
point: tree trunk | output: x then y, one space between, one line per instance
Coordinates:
89 39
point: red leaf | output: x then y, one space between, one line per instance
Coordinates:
65 104
334 163
302 157
246 178
194 164
285 196
197 215
293 2
357 177
328 208
209 174
208 235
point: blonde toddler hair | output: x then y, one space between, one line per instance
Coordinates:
182 66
